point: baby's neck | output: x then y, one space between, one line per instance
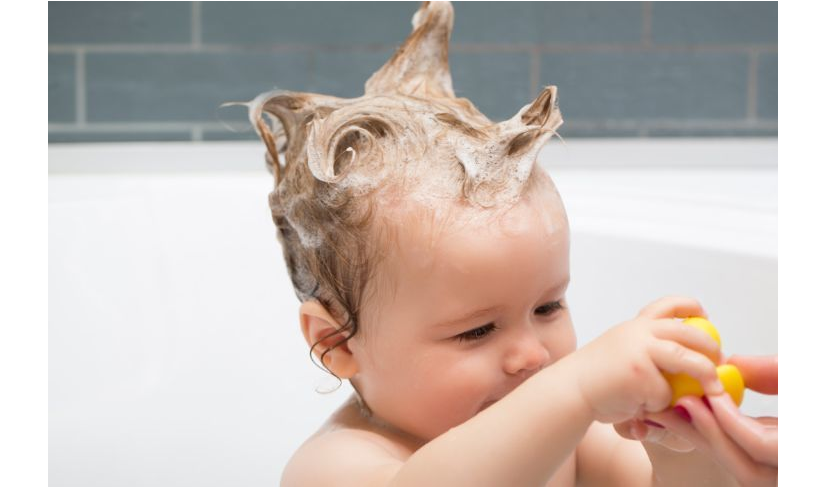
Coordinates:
381 425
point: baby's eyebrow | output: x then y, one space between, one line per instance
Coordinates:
467 317
564 284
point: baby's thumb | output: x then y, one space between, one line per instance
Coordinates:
635 429
631 429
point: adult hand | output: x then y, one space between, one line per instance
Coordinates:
759 437
746 447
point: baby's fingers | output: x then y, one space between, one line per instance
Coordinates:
689 336
673 307
675 358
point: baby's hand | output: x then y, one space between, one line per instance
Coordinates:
620 372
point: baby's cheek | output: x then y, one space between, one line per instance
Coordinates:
563 340
433 399
475 379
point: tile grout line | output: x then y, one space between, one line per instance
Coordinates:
646 33
79 88
178 125
753 77
740 123
187 126
481 48
196 25
645 41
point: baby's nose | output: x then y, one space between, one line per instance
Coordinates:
527 355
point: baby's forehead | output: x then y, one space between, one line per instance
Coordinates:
423 235
428 220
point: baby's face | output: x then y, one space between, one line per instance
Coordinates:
473 316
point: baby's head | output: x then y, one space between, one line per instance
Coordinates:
405 209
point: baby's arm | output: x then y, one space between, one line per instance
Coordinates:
520 440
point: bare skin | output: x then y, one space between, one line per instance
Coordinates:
515 404
747 447
348 426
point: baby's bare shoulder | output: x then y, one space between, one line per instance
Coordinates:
342 457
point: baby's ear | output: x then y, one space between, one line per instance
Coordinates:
322 330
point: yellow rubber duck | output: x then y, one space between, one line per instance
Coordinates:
685 385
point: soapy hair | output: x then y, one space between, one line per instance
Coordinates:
347 162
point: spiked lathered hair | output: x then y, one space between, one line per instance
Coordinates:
408 138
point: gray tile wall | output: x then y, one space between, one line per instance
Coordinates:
125 71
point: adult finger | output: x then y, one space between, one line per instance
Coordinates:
684 428
754 436
760 373
673 307
726 451
767 421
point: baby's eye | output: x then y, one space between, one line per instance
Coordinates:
477 333
549 308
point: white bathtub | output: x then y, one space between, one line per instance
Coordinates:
175 356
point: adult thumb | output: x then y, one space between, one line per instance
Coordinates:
760 373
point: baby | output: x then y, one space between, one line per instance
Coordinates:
431 256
